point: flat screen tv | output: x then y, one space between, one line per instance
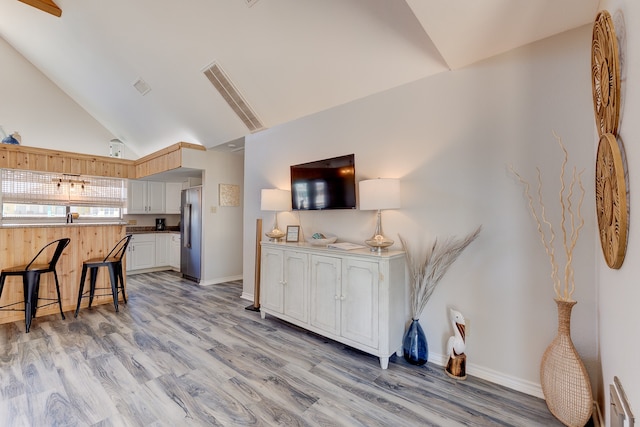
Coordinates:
324 184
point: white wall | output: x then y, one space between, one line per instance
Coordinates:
619 290
44 115
449 138
222 225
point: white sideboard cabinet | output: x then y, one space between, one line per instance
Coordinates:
354 297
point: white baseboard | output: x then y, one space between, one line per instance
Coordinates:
220 280
495 377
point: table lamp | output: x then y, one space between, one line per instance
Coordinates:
275 200
378 194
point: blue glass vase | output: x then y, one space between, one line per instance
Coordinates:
414 345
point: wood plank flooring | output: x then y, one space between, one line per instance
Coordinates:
180 354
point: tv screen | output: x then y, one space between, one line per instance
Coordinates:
324 184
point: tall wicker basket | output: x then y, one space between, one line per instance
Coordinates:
564 379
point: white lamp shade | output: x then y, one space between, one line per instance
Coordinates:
272 199
381 193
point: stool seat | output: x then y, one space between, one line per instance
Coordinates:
31 279
113 262
26 267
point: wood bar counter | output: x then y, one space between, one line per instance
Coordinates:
20 243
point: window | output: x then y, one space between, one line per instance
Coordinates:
29 194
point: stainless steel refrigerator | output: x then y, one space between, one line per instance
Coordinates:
191 233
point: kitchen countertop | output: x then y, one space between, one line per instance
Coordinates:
136 229
61 224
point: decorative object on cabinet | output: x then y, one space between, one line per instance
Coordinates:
256 286
379 194
426 271
321 239
11 139
14 138
565 383
116 148
293 233
605 74
612 208
229 195
456 345
275 200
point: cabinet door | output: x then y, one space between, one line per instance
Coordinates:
174 251
172 197
162 249
359 311
155 197
137 197
142 252
271 279
295 285
325 293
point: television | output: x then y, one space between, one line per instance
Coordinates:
324 184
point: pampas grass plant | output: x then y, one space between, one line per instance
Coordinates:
426 270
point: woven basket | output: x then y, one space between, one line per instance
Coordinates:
564 379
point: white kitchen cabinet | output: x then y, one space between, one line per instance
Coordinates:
174 251
284 283
162 249
354 297
173 191
145 197
141 252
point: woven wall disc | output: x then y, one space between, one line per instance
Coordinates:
605 74
611 201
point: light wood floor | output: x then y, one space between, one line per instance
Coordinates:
180 354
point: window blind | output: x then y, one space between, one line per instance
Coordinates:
30 187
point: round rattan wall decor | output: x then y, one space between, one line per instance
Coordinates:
605 74
611 201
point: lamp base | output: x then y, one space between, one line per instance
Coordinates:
275 235
379 243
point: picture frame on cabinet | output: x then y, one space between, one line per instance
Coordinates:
293 233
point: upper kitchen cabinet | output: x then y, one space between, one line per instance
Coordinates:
146 197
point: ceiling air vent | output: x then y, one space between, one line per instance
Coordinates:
142 87
230 94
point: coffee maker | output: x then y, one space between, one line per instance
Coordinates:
160 224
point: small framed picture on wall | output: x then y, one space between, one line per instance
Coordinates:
293 232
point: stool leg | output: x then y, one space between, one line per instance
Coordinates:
93 274
81 288
120 275
29 285
55 275
2 279
114 285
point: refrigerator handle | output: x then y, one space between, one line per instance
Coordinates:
187 226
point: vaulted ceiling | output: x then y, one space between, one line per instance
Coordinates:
287 58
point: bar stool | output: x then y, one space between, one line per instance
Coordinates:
31 280
113 261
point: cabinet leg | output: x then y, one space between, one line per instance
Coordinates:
400 352
384 362
262 314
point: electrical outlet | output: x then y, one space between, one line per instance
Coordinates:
133 222
213 209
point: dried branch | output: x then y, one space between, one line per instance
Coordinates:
426 273
563 289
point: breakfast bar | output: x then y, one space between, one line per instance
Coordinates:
20 242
